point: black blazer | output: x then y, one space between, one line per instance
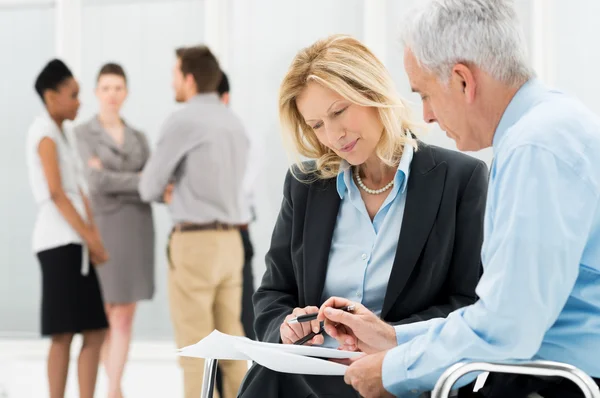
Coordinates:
437 263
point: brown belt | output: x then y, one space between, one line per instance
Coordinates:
214 226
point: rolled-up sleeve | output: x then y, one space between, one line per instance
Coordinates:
171 148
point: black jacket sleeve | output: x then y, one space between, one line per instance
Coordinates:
277 295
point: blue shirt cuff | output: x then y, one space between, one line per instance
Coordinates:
405 333
394 371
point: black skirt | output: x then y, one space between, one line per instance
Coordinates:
71 302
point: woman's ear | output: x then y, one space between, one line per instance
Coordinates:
49 97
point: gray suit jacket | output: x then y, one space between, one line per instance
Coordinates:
124 220
118 182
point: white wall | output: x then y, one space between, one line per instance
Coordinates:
265 36
141 36
260 39
575 55
26 42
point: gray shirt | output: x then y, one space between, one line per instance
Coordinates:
203 149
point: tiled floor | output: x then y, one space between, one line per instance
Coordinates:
151 372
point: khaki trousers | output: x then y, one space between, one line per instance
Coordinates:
205 293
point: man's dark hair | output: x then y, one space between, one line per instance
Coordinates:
200 62
223 85
53 75
112 69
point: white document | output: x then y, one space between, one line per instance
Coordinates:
285 362
216 345
285 358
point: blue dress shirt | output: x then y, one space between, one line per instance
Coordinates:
539 296
362 252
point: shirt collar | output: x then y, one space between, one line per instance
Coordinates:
345 174
95 124
524 99
206 98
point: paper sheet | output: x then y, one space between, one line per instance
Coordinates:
279 357
281 361
216 345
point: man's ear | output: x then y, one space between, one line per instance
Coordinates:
225 98
190 82
463 78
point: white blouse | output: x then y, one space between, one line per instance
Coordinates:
51 229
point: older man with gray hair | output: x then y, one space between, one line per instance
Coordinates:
539 296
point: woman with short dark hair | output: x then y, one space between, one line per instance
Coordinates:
65 237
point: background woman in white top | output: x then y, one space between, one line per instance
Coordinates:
65 237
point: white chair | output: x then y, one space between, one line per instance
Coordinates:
534 368
454 373
209 378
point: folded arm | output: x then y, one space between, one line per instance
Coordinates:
134 196
172 147
113 182
102 180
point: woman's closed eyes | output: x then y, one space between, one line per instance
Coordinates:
333 115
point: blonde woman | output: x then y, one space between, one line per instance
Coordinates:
378 217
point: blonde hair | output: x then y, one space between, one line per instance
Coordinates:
346 66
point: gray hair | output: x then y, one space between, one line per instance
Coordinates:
485 33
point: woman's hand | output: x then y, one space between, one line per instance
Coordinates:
291 333
168 194
98 254
95 163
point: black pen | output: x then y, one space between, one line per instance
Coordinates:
312 317
309 336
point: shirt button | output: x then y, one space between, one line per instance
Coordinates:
364 256
358 294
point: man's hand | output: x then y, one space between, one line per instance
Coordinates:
360 330
292 333
168 194
95 163
365 376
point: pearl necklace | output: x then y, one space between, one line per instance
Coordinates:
370 191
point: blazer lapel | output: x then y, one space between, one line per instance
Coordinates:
322 208
129 141
104 137
424 193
